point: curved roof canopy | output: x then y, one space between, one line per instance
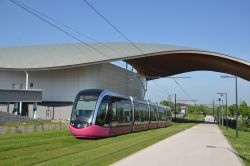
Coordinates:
156 60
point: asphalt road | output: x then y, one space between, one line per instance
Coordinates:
201 145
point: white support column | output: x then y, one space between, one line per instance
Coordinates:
20 108
34 110
27 80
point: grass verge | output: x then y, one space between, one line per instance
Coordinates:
61 148
197 117
241 145
35 123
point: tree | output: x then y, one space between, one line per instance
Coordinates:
232 110
202 109
244 109
192 108
196 108
168 103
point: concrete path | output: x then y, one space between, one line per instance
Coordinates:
202 145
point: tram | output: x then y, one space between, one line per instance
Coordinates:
100 113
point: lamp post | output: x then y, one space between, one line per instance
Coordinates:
236 103
213 109
218 109
175 109
222 94
220 115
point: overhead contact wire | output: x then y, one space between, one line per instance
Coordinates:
55 26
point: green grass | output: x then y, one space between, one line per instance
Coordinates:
241 145
198 117
61 148
37 123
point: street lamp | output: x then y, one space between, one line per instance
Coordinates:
222 94
236 103
220 104
219 112
222 114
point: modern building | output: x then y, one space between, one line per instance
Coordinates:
46 78
60 86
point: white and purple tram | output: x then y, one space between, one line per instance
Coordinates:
101 113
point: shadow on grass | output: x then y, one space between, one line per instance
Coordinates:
235 153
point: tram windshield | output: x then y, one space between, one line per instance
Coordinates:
83 110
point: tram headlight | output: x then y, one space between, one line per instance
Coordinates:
82 125
78 125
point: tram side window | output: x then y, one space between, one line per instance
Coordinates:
114 120
162 114
127 112
141 112
137 112
156 113
142 117
169 114
153 113
123 112
145 109
166 114
103 115
119 112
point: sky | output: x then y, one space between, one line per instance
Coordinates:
221 26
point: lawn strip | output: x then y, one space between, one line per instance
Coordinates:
69 150
108 159
32 135
241 144
108 142
94 154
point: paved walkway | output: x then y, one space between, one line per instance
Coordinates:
202 145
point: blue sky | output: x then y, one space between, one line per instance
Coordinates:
222 26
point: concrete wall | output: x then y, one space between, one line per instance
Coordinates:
63 85
44 112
